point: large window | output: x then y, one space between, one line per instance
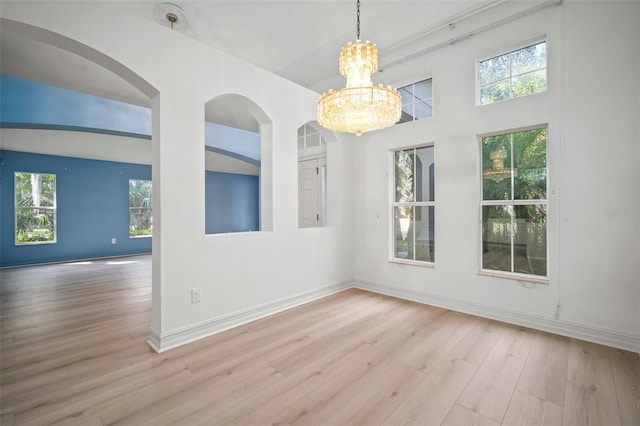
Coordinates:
417 101
35 208
514 202
140 208
413 204
517 73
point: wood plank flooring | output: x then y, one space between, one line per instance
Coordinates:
74 352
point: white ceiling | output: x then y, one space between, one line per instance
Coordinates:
298 40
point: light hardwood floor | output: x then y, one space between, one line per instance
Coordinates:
74 352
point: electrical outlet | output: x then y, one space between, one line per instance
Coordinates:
195 295
113 241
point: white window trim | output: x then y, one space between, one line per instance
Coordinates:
16 207
505 274
513 48
391 188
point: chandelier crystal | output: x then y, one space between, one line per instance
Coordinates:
360 107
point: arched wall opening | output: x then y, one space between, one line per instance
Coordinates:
79 54
238 141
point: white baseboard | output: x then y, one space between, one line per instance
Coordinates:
182 336
154 341
195 332
551 325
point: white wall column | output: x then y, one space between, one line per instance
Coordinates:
178 205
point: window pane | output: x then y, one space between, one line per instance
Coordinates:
35 225
140 222
301 143
140 193
424 230
424 174
496 167
35 189
407 113
494 92
529 59
404 176
529 83
313 140
423 110
530 157
406 93
422 90
417 101
403 232
494 69
496 238
530 239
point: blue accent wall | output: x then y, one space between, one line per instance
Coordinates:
231 203
92 200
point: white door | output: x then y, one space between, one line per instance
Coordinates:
311 205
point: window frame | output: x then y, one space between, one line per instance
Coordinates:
541 279
139 208
322 143
413 82
392 194
514 48
53 208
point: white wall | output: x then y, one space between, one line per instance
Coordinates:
241 276
592 110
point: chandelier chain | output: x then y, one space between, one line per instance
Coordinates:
358 20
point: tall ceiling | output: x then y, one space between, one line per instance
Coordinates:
298 40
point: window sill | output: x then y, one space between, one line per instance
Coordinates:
421 263
514 276
131 237
35 243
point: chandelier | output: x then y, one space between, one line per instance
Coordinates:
360 107
499 172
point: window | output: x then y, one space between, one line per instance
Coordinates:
309 137
514 202
140 208
35 208
417 101
413 205
517 73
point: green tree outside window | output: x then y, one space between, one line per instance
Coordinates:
140 208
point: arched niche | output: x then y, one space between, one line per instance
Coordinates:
238 166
